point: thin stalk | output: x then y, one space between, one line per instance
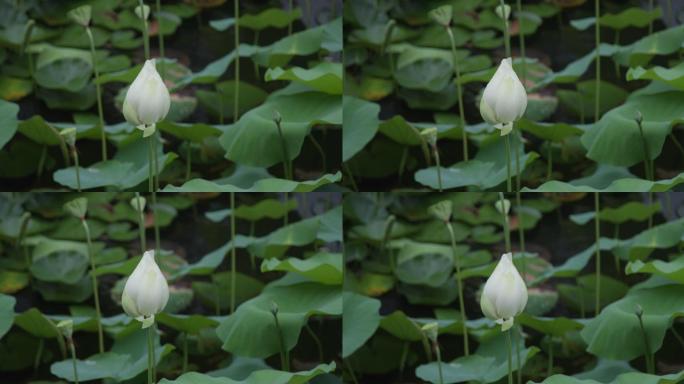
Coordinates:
521 37
257 72
616 236
141 224
221 117
516 340
252 256
439 362
150 170
236 103
93 279
320 151
549 164
150 355
98 90
233 255
185 352
157 241
284 361
459 281
650 24
188 164
402 359
459 91
351 179
597 233
161 38
39 354
435 151
155 158
309 14
677 336
317 341
73 359
549 369
648 354
426 345
618 73
289 26
677 144
20 240
508 163
507 37
504 216
287 163
402 162
41 162
351 371
510 364
597 30
648 162
74 153
521 235
517 161
145 32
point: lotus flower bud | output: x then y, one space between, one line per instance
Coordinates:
505 294
504 99
147 101
146 291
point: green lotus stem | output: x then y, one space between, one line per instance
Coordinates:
402 162
351 371
435 151
671 13
402 359
39 353
150 167
320 151
157 241
508 163
426 345
98 89
188 164
309 14
141 224
439 362
233 255
597 233
650 24
677 144
507 37
185 352
648 161
317 341
616 236
549 369
459 91
145 31
504 215
521 36
549 164
618 73
389 28
41 163
389 223
284 360
510 358
287 163
252 257
351 179
74 153
25 218
93 278
257 73
150 355
72 348
521 235
157 139
161 38
236 102
597 29
677 336
459 281
516 340
289 26
517 162
648 354
582 309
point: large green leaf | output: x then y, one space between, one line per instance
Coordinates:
673 270
251 330
324 77
59 261
63 68
268 18
259 185
323 267
6 313
611 334
423 263
8 121
616 138
360 125
359 321
661 236
630 17
222 102
254 140
619 184
630 211
625 378
265 208
217 294
672 76
267 376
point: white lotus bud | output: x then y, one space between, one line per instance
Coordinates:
504 295
147 101
504 99
146 291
